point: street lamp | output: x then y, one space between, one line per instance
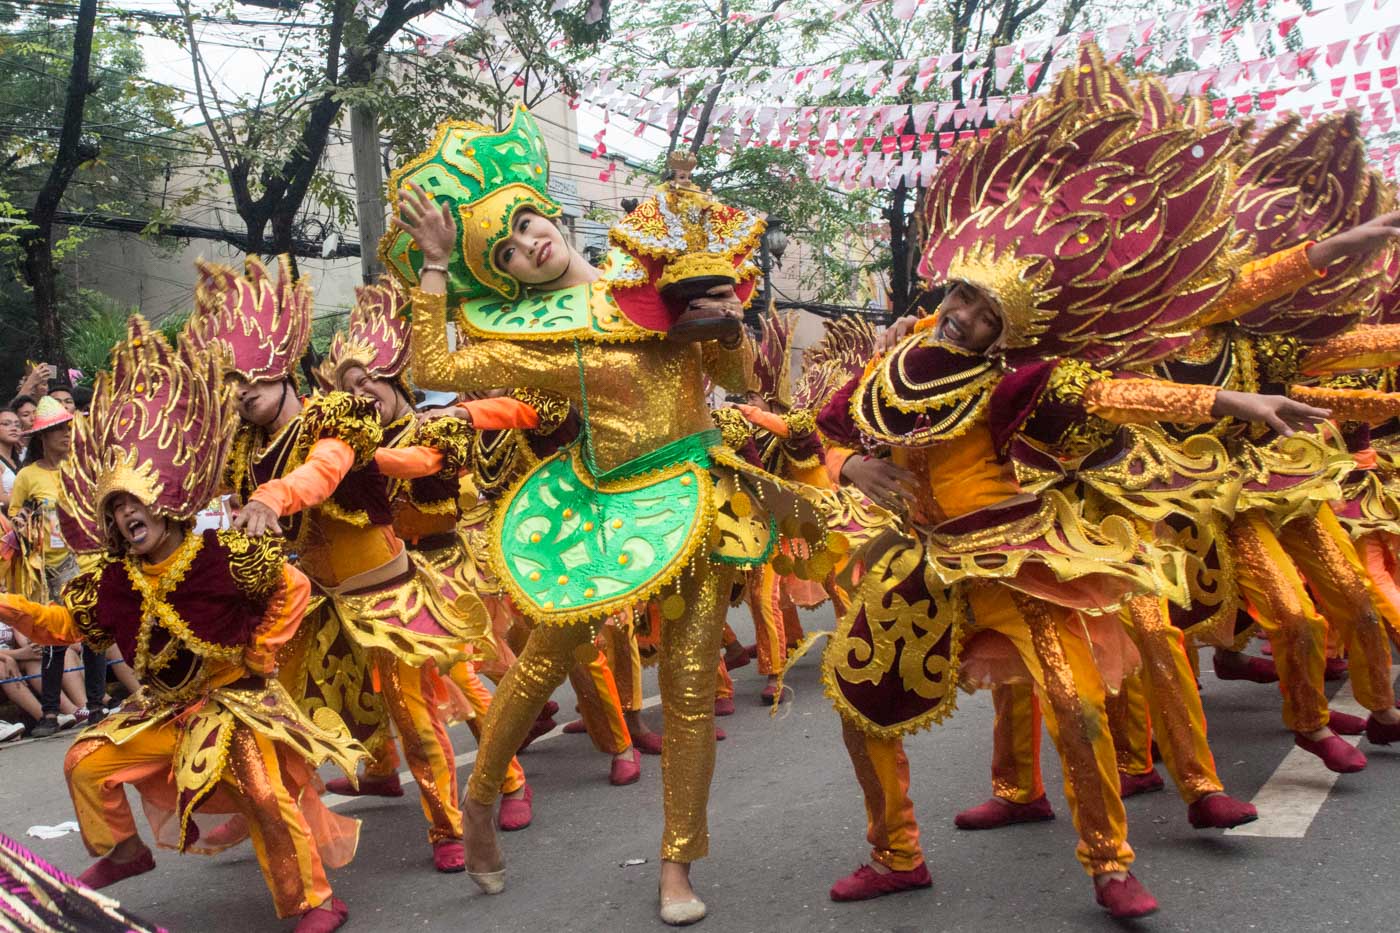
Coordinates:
771 247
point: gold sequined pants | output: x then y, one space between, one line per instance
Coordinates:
689 646
97 771
1328 560
413 696
1049 640
1270 581
1167 687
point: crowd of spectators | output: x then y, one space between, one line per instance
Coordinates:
44 689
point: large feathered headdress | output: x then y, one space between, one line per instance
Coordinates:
828 364
1306 184
261 327
376 339
1094 221
771 363
158 429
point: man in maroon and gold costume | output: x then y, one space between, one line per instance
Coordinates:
200 618
309 470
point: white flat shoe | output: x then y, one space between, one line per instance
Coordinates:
494 882
682 913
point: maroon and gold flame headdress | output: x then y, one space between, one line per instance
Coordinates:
828 364
1095 222
1306 184
159 428
376 339
262 327
771 364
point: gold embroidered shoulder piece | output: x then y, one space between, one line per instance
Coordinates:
80 599
255 563
922 392
452 437
734 428
344 417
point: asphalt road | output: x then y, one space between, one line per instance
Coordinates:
786 820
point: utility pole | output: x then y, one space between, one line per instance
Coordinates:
369 188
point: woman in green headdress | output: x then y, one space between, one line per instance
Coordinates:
648 505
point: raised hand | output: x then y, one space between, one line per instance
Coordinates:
429 223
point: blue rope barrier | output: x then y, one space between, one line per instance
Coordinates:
66 670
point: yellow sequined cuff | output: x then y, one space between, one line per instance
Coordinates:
552 409
1262 280
1366 405
344 417
451 437
734 428
800 422
255 563
1143 401
80 599
1367 347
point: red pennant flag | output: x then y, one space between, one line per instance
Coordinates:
946 140
1219 107
1362 81
1285 26
1389 76
1244 103
1338 85
1268 100
1306 56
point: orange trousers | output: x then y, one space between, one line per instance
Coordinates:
96 771
1051 643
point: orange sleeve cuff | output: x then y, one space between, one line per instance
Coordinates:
1365 405
311 483
836 458
281 621
50 624
1143 401
1373 346
501 414
408 462
773 424
1260 281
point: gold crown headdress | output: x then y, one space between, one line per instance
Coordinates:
158 429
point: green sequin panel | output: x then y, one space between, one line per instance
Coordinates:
568 545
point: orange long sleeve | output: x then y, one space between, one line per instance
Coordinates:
500 414
45 624
1143 401
773 424
310 484
283 618
409 462
1262 280
1370 346
1366 405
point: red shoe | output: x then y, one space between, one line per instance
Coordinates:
752 650
1346 724
724 706
317 920
996 813
104 872
1232 666
1336 753
516 812
549 709
626 771
770 696
449 856
1335 669
719 734
865 883
648 743
575 728
387 786
1126 899
541 726
1220 811
1130 785
1381 733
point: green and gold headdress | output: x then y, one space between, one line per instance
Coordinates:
487 177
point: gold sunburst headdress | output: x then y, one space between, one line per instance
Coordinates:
261 327
1094 221
376 339
158 429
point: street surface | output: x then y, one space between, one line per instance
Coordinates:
786 820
